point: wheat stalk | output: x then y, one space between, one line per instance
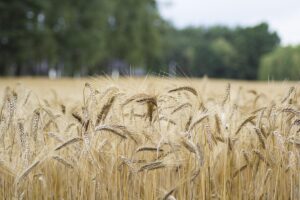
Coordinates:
184 88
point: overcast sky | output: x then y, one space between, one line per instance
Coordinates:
283 16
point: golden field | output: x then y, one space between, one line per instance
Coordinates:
149 138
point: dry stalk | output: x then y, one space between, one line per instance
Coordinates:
260 137
180 107
185 88
148 148
67 143
197 121
227 94
111 129
248 119
238 171
63 161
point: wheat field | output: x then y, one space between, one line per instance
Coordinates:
149 138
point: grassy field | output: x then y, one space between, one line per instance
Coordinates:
149 138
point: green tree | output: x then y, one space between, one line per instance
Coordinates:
282 63
81 37
252 43
22 34
79 29
223 56
180 47
134 35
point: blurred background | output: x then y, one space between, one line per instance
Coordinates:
222 39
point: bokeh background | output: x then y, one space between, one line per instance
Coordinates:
222 39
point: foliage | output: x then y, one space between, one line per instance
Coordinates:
221 51
252 43
80 38
283 63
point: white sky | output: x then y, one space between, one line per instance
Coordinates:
283 16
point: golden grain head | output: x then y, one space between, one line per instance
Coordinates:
130 138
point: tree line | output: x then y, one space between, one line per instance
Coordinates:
77 37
